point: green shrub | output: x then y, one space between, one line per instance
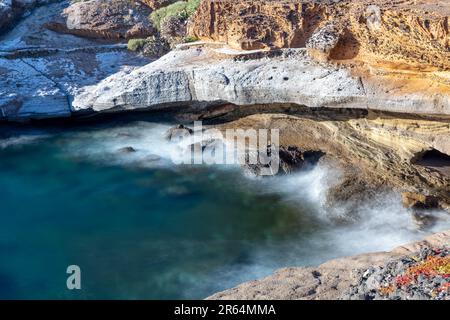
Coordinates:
189 39
136 44
182 9
152 46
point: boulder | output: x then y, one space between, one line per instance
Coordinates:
291 159
349 277
323 41
178 131
126 150
112 20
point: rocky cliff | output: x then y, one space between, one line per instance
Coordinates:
382 55
365 82
395 43
41 71
401 33
390 122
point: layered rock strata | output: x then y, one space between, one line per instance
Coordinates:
373 150
201 76
413 34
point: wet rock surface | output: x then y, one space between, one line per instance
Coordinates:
289 160
177 132
44 74
126 150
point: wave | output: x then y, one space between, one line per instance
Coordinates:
379 224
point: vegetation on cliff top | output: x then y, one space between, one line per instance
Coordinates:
181 9
151 46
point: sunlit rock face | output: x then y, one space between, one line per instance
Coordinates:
408 33
256 24
197 76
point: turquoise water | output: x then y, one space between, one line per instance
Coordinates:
153 230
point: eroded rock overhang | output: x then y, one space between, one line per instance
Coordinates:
200 75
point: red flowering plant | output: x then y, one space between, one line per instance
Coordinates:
435 264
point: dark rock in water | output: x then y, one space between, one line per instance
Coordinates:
419 201
212 144
152 158
420 206
178 131
148 160
423 220
291 159
126 150
350 194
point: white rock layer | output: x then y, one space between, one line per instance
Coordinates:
202 76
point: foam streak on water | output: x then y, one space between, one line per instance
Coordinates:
379 225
